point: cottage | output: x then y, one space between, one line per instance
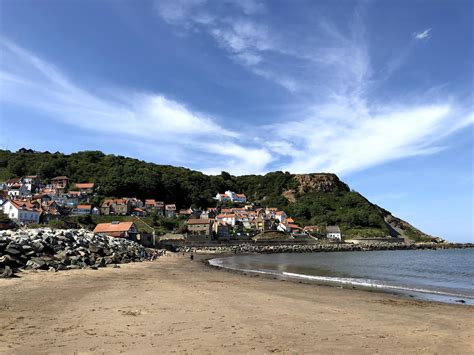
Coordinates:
186 212
262 224
18 190
152 206
120 206
222 197
22 211
209 213
32 183
198 227
222 231
82 210
170 211
117 229
140 212
230 196
60 182
85 188
333 232
226 218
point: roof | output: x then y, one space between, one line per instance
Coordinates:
13 181
84 207
170 207
113 227
294 226
226 216
198 221
60 178
118 201
85 185
333 229
24 205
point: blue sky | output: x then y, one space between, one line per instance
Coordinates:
379 92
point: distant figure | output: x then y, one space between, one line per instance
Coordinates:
192 257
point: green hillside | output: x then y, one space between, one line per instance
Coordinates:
311 199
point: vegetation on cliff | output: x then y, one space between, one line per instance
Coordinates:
312 199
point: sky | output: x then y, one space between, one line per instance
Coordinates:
379 92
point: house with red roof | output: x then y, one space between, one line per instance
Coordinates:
85 188
117 229
22 211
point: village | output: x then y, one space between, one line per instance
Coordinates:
30 201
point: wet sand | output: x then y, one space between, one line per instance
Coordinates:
175 305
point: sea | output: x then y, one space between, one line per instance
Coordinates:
435 275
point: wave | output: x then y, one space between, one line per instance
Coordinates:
368 283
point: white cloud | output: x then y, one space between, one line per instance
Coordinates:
145 118
183 12
423 34
234 29
339 124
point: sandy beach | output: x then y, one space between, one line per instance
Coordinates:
175 305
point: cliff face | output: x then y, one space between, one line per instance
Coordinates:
346 209
319 182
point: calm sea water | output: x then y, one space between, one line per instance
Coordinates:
439 275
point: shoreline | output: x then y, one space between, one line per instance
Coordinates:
178 305
406 293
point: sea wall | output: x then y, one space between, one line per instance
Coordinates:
319 247
54 250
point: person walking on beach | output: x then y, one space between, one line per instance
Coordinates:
191 257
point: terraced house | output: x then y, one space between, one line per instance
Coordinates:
120 206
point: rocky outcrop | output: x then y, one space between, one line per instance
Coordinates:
47 249
319 182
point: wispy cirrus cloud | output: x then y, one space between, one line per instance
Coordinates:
341 125
234 29
148 118
422 34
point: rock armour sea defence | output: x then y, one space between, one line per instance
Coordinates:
319 247
47 249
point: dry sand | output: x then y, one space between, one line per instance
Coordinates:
177 305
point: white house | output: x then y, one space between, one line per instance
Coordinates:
18 190
22 211
283 227
230 196
222 197
31 182
333 232
226 218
